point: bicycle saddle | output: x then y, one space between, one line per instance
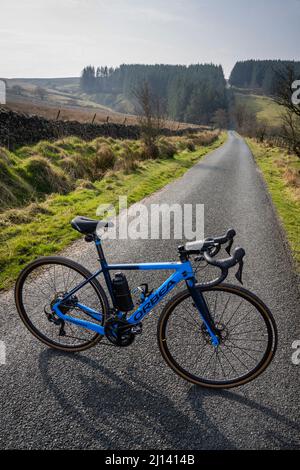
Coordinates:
88 226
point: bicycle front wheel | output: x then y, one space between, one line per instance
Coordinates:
40 285
247 331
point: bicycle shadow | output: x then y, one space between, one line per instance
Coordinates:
273 425
122 412
119 410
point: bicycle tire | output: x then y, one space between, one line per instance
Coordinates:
58 261
260 307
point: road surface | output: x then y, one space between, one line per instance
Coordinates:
109 398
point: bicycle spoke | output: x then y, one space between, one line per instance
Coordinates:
225 375
226 346
215 307
243 342
251 340
234 313
207 363
245 332
246 349
215 366
228 361
240 323
189 323
224 310
39 292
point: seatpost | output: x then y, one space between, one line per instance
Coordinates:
99 248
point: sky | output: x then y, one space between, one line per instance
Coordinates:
57 38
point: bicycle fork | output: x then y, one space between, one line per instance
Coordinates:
204 312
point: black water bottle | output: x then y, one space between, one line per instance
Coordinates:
122 293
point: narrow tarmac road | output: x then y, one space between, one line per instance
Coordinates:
109 398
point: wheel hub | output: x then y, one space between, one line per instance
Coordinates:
221 332
65 308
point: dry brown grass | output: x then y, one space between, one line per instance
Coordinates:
84 184
46 178
104 159
280 163
290 174
288 166
190 142
33 172
166 148
128 160
84 114
205 138
76 166
292 177
22 216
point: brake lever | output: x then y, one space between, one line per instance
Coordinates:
229 246
239 273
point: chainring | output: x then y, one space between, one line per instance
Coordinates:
118 332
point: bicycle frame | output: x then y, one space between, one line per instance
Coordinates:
183 272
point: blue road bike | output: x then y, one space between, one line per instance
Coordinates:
212 334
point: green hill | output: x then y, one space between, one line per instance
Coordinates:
264 107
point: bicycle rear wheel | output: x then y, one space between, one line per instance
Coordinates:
247 331
44 281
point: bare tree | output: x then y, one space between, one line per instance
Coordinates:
220 119
291 117
239 115
284 89
261 130
247 123
151 117
244 119
291 131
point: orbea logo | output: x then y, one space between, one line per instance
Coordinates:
296 94
2 92
154 221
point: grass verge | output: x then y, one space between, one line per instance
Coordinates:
282 174
43 228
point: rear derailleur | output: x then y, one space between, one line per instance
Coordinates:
53 318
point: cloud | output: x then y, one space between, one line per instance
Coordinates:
157 15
